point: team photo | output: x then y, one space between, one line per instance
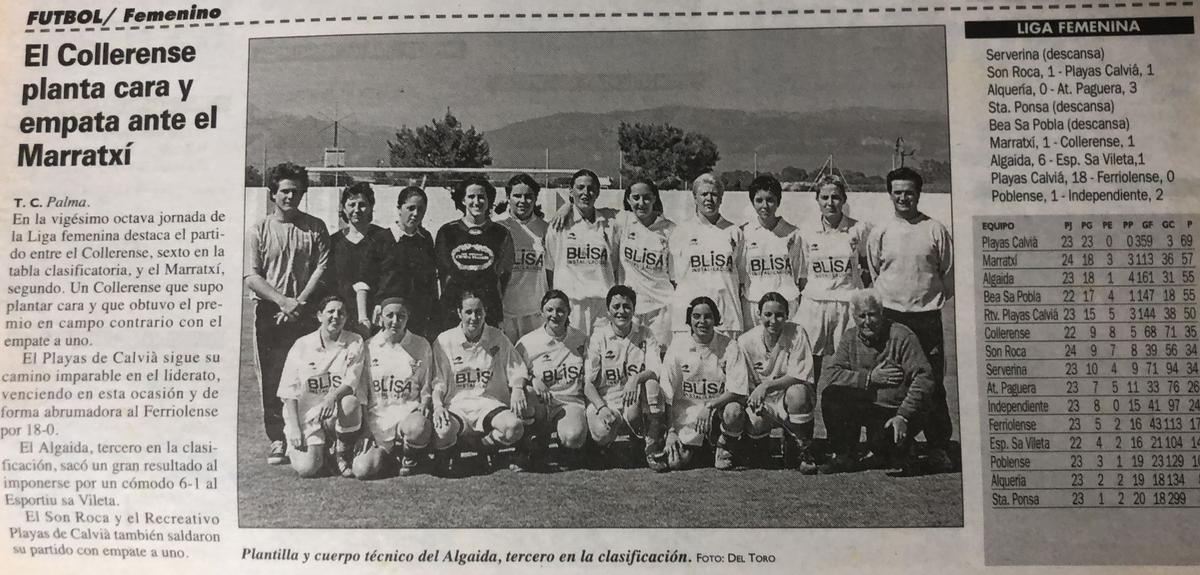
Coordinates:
587 316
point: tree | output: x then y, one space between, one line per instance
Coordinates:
794 174
664 153
935 171
254 178
441 144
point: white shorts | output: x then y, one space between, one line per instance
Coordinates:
514 327
585 312
750 312
683 422
770 415
315 429
659 323
606 434
825 321
473 409
559 406
383 424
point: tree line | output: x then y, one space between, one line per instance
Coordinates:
665 154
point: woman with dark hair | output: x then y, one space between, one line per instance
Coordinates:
772 251
472 399
705 404
524 222
580 251
644 253
474 254
401 263
320 389
399 404
554 356
349 247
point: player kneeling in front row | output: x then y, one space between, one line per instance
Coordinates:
878 378
775 358
399 402
321 379
703 403
553 358
474 364
615 377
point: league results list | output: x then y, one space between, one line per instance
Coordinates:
1089 386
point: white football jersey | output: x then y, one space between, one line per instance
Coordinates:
481 368
691 373
791 355
613 359
315 368
581 256
398 372
523 296
645 258
705 258
772 260
832 258
557 364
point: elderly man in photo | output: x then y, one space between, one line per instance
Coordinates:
911 257
286 254
878 378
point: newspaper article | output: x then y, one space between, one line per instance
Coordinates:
488 287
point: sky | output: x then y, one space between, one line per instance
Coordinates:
491 80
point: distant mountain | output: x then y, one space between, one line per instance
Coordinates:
860 138
303 140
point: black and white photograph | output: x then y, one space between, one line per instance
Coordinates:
636 279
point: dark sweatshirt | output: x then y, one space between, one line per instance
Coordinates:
854 359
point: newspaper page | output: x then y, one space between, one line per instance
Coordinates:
610 286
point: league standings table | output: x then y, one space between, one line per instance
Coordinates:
1086 335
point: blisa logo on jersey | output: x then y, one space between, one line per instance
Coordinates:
561 373
770 264
832 266
322 384
392 386
702 389
472 378
587 253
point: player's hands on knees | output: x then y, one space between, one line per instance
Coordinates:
441 417
607 416
629 397
295 438
704 422
899 427
755 400
427 407
541 391
886 373
518 402
329 406
674 447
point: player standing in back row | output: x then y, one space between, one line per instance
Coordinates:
772 252
522 312
912 260
835 257
705 257
581 253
